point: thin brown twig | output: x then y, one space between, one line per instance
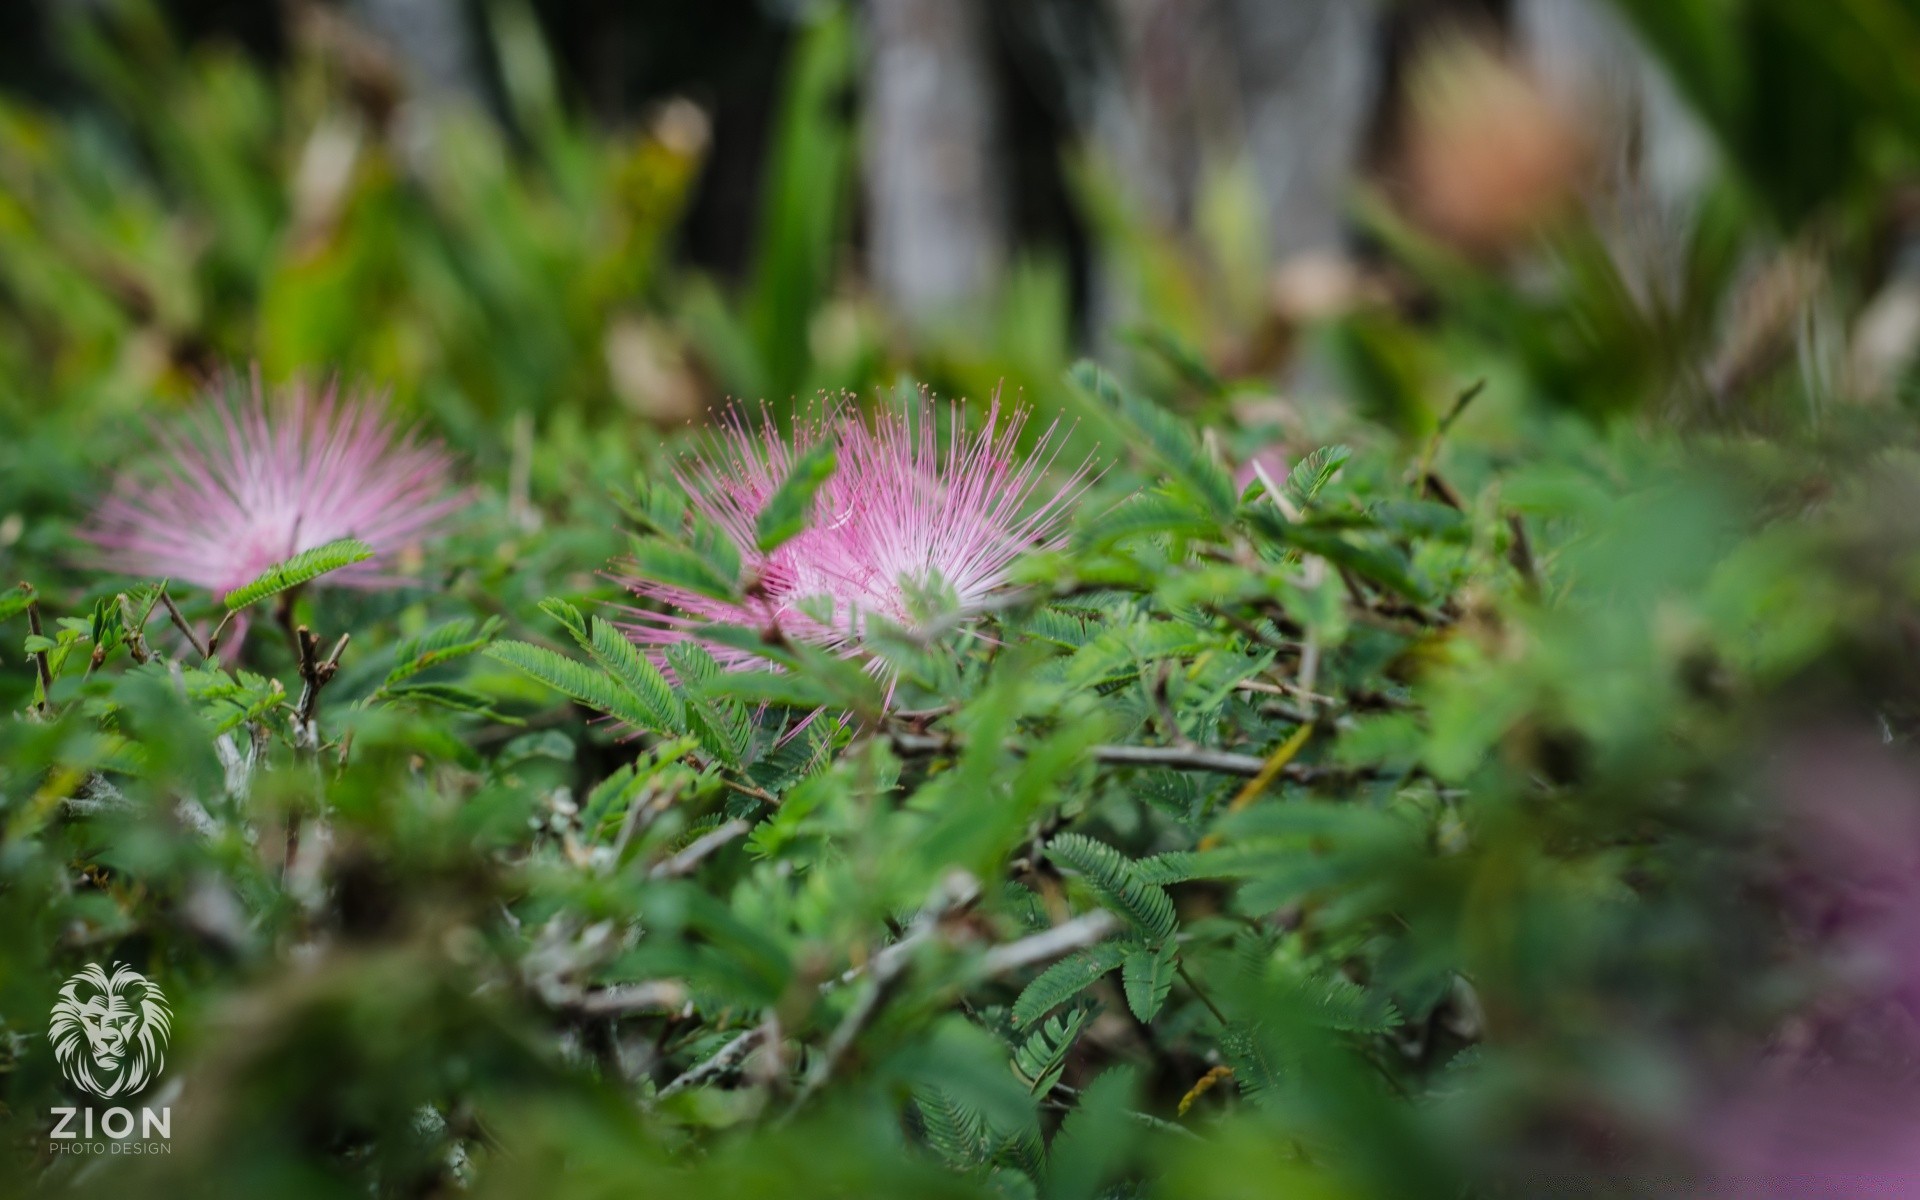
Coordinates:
698 851
1077 934
1520 553
40 664
1196 758
1460 403
213 639
748 789
884 972
626 999
315 674
717 1062
180 623
1180 969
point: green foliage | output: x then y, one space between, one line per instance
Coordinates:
1042 1057
1066 979
1147 975
787 510
15 601
579 682
304 567
1314 472
1119 884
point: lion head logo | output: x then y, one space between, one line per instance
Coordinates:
109 1032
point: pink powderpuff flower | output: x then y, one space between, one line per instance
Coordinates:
246 483
903 509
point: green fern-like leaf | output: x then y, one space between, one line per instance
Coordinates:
786 511
1147 977
444 643
1180 866
1255 1074
609 799
623 660
1339 1003
1119 884
568 616
449 696
1066 979
691 664
673 563
723 727
1167 436
1042 1058
1314 472
302 568
957 1132
1151 513
575 679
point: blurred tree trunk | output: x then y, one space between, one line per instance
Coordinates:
433 41
1308 74
1288 83
1654 158
937 224
1285 88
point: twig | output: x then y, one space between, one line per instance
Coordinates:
180 623
644 810
1195 758
213 639
1460 403
1520 553
747 789
40 664
1180 969
1062 939
1163 701
315 674
957 890
654 996
697 851
719 1061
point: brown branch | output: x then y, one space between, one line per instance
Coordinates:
626 999
213 639
40 663
1195 758
1520 553
173 613
717 1062
684 862
885 970
315 674
747 789
1048 944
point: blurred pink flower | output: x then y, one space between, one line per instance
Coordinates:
903 508
1272 462
245 483
1832 1108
